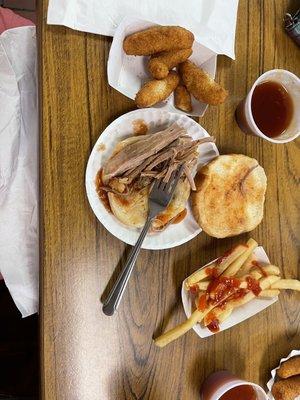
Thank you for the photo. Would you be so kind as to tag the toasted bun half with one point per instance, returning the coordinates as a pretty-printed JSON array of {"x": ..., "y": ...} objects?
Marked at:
[
  {"x": 230, "y": 195},
  {"x": 132, "y": 210}
]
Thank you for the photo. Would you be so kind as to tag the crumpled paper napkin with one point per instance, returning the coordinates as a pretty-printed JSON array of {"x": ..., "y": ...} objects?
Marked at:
[
  {"x": 213, "y": 22},
  {"x": 19, "y": 245}
]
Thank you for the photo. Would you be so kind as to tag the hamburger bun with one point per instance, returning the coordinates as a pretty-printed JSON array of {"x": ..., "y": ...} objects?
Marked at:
[
  {"x": 230, "y": 195},
  {"x": 132, "y": 210}
]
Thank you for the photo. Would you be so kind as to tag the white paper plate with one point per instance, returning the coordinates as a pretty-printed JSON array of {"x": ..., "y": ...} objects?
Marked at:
[
  {"x": 239, "y": 314},
  {"x": 120, "y": 129},
  {"x": 127, "y": 73}
]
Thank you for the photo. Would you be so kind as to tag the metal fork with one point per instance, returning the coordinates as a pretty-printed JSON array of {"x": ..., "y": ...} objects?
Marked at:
[{"x": 159, "y": 198}]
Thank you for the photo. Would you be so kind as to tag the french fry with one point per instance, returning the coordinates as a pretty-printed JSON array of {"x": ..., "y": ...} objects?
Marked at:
[
  {"x": 221, "y": 267},
  {"x": 269, "y": 293},
  {"x": 271, "y": 269},
  {"x": 236, "y": 264},
  {"x": 179, "y": 330},
  {"x": 265, "y": 283},
  {"x": 203, "y": 285},
  {"x": 243, "y": 282},
  {"x": 220, "y": 314},
  {"x": 268, "y": 285},
  {"x": 235, "y": 303},
  {"x": 226, "y": 314},
  {"x": 292, "y": 284},
  {"x": 234, "y": 267},
  {"x": 268, "y": 281},
  {"x": 246, "y": 267},
  {"x": 197, "y": 276},
  {"x": 255, "y": 274}
]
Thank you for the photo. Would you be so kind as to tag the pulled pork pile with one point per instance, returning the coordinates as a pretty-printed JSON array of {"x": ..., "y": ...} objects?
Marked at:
[{"x": 153, "y": 156}]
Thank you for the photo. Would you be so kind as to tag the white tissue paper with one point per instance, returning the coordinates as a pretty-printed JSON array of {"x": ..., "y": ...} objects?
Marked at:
[
  {"x": 213, "y": 22},
  {"x": 19, "y": 255}
]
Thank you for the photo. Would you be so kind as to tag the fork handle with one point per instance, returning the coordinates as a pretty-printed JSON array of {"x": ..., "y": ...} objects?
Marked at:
[{"x": 113, "y": 300}]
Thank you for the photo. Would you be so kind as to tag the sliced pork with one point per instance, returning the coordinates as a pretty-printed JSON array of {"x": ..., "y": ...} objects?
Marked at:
[
  {"x": 155, "y": 156},
  {"x": 134, "y": 154}
]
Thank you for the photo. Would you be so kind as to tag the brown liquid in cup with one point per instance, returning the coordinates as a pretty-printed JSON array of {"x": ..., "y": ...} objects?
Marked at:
[
  {"x": 243, "y": 392},
  {"x": 272, "y": 108}
]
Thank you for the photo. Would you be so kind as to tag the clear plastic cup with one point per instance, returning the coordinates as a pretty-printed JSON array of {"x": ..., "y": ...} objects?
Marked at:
[
  {"x": 244, "y": 115},
  {"x": 219, "y": 383}
]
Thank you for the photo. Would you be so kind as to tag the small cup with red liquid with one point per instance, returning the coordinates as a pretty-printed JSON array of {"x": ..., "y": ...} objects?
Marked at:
[
  {"x": 271, "y": 110},
  {"x": 223, "y": 385}
]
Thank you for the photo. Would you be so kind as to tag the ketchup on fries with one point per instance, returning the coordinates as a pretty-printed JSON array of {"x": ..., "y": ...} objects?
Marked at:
[{"x": 231, "y": 281}]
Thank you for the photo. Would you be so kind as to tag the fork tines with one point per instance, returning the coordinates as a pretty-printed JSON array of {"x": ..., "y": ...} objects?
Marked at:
[{"x": 170, "y": 185}]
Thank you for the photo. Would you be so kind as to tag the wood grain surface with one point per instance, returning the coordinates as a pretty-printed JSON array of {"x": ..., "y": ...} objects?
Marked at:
[{"x": 88, "y": 356}]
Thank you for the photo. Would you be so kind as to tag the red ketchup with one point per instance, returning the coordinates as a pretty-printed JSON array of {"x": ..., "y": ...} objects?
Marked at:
[
  {"x": 253, "y": 285},
  {"x": 220, "y": 289},
  {"x": 213, "y": 325},
  {"x": 212, "y": 272},
  {"x": 256, "y": 265},
  {"x": 202, "y": 303},
  {"x": 194, "y": 289}
]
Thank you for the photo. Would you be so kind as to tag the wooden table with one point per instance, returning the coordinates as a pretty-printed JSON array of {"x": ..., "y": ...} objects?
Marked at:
[{"x": 88, "y": 356}]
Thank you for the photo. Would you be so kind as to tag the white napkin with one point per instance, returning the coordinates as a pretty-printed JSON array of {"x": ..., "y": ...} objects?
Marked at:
[
  {"x": 19, "y": 256},
  {"x": 212, "y": 21}
]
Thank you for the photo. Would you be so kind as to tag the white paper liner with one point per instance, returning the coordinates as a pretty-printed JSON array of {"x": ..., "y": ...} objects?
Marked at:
[
  {"x": 173, "y": 235},
  {"x": 19, "y": 143},
  {"x": 128, "y": 73},
  {"x": 239, "y": 314},
  {"x": 271, "y": 382}
]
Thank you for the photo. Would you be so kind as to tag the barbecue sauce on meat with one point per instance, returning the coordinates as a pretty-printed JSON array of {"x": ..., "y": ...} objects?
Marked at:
[
  {"x": 165, "y": 219},
  {"x": 180, "y": 217},
  {"x": 102, "y": 194}
]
